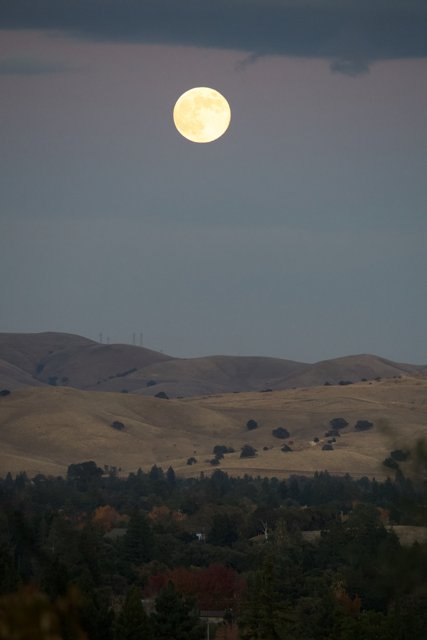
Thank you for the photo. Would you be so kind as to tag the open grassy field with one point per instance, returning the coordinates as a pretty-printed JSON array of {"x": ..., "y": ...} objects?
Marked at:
[{"x": 45, "y": 429}]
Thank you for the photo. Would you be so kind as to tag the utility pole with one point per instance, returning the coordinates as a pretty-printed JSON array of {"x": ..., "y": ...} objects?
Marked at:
[{"x": 100, "y": 337}]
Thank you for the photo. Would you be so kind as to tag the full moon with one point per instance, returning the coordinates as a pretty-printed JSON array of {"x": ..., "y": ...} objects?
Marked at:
[{"x": 201, "y": 114}]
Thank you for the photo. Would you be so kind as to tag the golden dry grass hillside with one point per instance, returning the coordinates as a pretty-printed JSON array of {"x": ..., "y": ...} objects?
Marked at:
[{"x": 45, "y": 429}]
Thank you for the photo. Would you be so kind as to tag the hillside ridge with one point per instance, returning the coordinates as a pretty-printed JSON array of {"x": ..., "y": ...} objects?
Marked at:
[{"x": 63, "y": 359}]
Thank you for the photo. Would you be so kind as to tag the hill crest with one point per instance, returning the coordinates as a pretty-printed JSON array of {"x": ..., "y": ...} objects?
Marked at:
[{"x": 69, "y": 360}]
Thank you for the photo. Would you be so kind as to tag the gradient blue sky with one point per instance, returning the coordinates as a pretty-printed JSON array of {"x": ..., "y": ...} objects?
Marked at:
[{"x": 302, "y": 233}]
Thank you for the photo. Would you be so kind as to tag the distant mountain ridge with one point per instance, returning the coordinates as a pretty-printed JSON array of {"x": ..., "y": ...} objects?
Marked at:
[{"x": 61, "y": 359}]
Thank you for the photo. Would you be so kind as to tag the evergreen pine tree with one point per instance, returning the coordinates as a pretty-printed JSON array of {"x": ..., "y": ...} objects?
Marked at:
[
  {"x": 170, "y": 477},
  {"x": 139, "y": 539},
  {"x": 8, "y": 577},
  {"x": 175, "y": 617},
  {"x": 132, "y": 622},
  {"x": 260, "y": 612},
  {"x": 97, "y": 617}
]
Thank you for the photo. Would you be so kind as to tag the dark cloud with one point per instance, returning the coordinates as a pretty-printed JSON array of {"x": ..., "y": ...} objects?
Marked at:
[
  {"x": 351, "y": 67},
  {"x": 29, "y": 66},
  {"x": 349, "y": 32}
]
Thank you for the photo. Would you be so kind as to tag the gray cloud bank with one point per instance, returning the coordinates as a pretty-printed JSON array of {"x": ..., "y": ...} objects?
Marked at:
[
  {"x": 29, "y": 66},
  {"x": 350, "y": 33}
]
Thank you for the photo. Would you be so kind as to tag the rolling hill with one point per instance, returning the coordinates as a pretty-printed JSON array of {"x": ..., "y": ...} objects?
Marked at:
[
  {"x": 66, "y": 359},
  {"x": 58, "y": 359},
  {"x": 45, "y": 429},
  {"x": 12, "y": 377}
]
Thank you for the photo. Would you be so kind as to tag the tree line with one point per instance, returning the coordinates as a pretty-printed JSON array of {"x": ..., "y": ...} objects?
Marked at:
[{"x": 102, "y": 557}]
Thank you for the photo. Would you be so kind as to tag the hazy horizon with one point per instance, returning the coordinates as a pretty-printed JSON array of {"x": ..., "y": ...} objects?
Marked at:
[{"x": 135, "y": 341}]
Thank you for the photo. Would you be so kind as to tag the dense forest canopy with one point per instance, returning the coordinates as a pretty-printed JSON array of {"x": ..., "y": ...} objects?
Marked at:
[{"x": 309, "y": 558}]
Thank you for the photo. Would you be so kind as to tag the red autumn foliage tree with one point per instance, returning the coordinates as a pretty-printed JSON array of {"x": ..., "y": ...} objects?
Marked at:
[
  {"x": 214, "y": 587},
  {"x": 351, "y": 606},
  {"x": 107, "y": 517},
  {"x": 163, "y": 515}
]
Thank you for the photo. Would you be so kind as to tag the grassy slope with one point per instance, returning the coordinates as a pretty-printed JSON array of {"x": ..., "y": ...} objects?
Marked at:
[
  {"x": 45, "y": 429},
  {"x": 12, "y": 377}
]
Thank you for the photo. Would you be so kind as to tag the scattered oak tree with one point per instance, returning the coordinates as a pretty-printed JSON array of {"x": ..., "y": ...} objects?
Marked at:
[
  {"x": 281, "y": 432},
  {"x": 363, "y": 425},
  {"x": 248, "y": 451},
  {"x": 251, "y": 424},
  {"x": 338, "y": 423}
]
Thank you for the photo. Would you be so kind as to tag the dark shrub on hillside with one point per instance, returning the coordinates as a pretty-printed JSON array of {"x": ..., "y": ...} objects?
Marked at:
[
  {"x": 363, "y": 425},
  {"x": 266, "y": 390},
  {"x": 191, "y": 460},
  {"x": 151, "y": 383},
  {"x": 316, "y": 439},
  {"x": 118, "y": 425},
  {"x": 390, "y": 463},
  {"x": 220, "y": 449},
  {"x": 84, "y": 471},
  {"x": 5, "y": 392},
  {"x": 344, "y": 382},
  {"x": 338, "y": 423},
  {"x": 281, "y": 432},
  {"x": 327, "y": 384},
  {"x": 251, "y": 424},
  {"x": 162, "y": 394},
  {"x": 327, "y": 447},
  {"x": 399, "y": 455},
  {"x": 214, "y": 462},
  {"x": 248, "y": 451},
  {"x": 286, "y": 448},
  {"x": 332, "y": 433},
  {"x": 52, "y": 380},
  {"x": 123, "y": 374}
]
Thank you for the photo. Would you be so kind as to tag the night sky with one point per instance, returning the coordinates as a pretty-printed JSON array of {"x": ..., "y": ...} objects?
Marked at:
[{"x": 301, "y": 233}]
